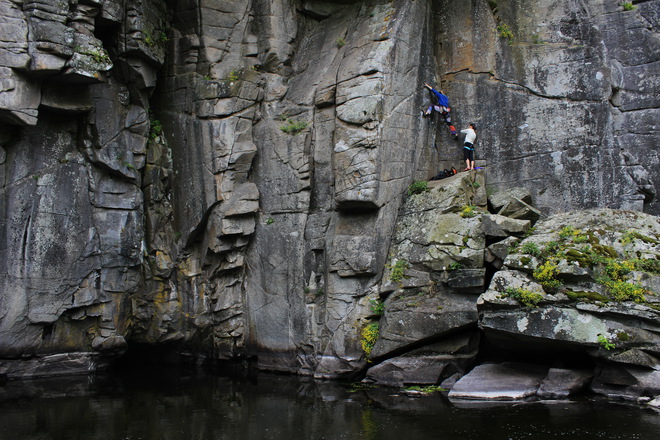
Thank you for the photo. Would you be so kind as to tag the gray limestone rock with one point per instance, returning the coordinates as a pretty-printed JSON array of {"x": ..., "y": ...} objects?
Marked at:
[
  {"x": 580, "y": 308},
  {"x": 501, "y": 199},
  {"x": 561, "y": 383},
  {"x": 428, "y": 365},
  {"x": 518, "y": 209},
  {"x": 496, "y": 225},
  {"x": 626, "y": 382},
  {"x": 499, "y": 382}
]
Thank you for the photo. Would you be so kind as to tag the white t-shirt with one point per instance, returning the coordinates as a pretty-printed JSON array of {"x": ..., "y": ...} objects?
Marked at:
[{"x": 470, "y": 135}]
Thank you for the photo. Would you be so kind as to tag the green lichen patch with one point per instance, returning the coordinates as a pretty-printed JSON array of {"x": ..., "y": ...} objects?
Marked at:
[{"x": 578, "y": 295}]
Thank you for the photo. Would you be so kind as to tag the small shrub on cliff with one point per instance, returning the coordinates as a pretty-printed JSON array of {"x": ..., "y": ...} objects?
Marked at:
[
  {"x": 370, "y": 335},
  {"x": 628, "y": 6},
  {"x": 647, "y": 265},
  {"x": 531, "y": 248},
  {"x": 504, "y": 31},
  {"x": 341, "y": 42},
  {"x": 397, "y": 270},
  {"x": 377, "y": 306},
  {"x": 618, "y": 269},
  {"x": 234, "y": 75},
  {"x": 294, "y": 126},
  {"x": 631, "y": 236},
  {"x": 605, "y": 343},
  {"x": 468, "y": 211},
  {"x": 455, "y": 265},
  {"x": 567, "y": 232},
  {"x": 418, "y": 187},
  {"x": 156, "y": 129}
]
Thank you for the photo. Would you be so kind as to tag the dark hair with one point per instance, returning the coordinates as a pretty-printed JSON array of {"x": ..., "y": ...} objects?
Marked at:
[{"x": 474, "y": 127}]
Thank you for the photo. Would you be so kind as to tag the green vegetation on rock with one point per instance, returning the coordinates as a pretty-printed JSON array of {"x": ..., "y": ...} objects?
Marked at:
[
  {"x": 294, "y": 126},
  {"x": 468, "y": 211},
  {"x": 504, "y": 31},
  {"x": 608, "y": 269},
  {"x": 531, "y": 248},
  {"x": 524, "y": 297},
  {"x": 605, "y": 343},
  {"x": 156, "y": 129},
  {"x": 370, "y": 334},
  {"x": 418, "y": 187},
  {"x": 425, "y": 389},
  {"x": 377, "y": 306},
  {"x": 397, "y": 270},
  {"x": 546, "y": 275}
]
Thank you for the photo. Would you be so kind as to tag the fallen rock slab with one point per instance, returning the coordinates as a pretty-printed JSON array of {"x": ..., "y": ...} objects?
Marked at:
[
  {"x": 509, "y": 381},
  {"x": 561, "y": 383}
]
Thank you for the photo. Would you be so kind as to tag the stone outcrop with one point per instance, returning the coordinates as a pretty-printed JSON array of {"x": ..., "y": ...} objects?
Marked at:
[
  {"x": 228, "y": 179},
  {"x": 427, "y": 329},
  {"x": 584, "y": 284}
]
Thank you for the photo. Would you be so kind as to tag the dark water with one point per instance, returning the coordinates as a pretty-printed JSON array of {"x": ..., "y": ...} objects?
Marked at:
[{"x": 279, "y": 407}]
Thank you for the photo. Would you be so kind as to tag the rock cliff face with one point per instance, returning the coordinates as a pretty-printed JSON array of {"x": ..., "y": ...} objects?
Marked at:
[{"x": 226, "y": 178}]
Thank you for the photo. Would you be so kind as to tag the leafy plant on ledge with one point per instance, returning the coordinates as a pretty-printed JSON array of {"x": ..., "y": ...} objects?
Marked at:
[
  {"x": 377, "y": 306},
  {"x": 455, "y": 265},
  {"x": 234, "y": 75},
  {"x": 294, "y": 126},
  {"x": 628, "y": 6},
  {"x": 605, "y": 343},
  {"x": 468, "y": 211},
  {"x": 156, "y": 129},
  {"x": 397, "y": 270},
  {"x": 418, "y": 187},
  {"x": 546, "y": 275},
  {"x": 504, "y": 31}
]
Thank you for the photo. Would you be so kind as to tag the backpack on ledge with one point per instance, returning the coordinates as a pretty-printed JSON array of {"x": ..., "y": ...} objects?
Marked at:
[{"x": 444, "y": 173}]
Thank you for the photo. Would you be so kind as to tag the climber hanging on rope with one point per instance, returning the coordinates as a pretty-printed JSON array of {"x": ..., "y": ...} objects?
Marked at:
[{"x": 441, "y": 107}]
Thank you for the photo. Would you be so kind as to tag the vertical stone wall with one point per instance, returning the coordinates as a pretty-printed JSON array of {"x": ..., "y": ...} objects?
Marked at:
[
  {"x": 224, "y": 177},
  {"x": 562, "y": 93},
  {"x": 76, "y": 81}
]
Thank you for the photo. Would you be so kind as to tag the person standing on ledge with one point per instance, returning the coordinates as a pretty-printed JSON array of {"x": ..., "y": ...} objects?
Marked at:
[{"x": 468, "y": 147}]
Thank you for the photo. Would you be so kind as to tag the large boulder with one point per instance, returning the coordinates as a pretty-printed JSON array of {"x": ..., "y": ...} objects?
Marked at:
[{"x": 583, "y": 282}]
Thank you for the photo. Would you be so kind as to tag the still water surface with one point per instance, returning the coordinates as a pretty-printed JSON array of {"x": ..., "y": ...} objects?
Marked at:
[{"x": 281, "y": 407}]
